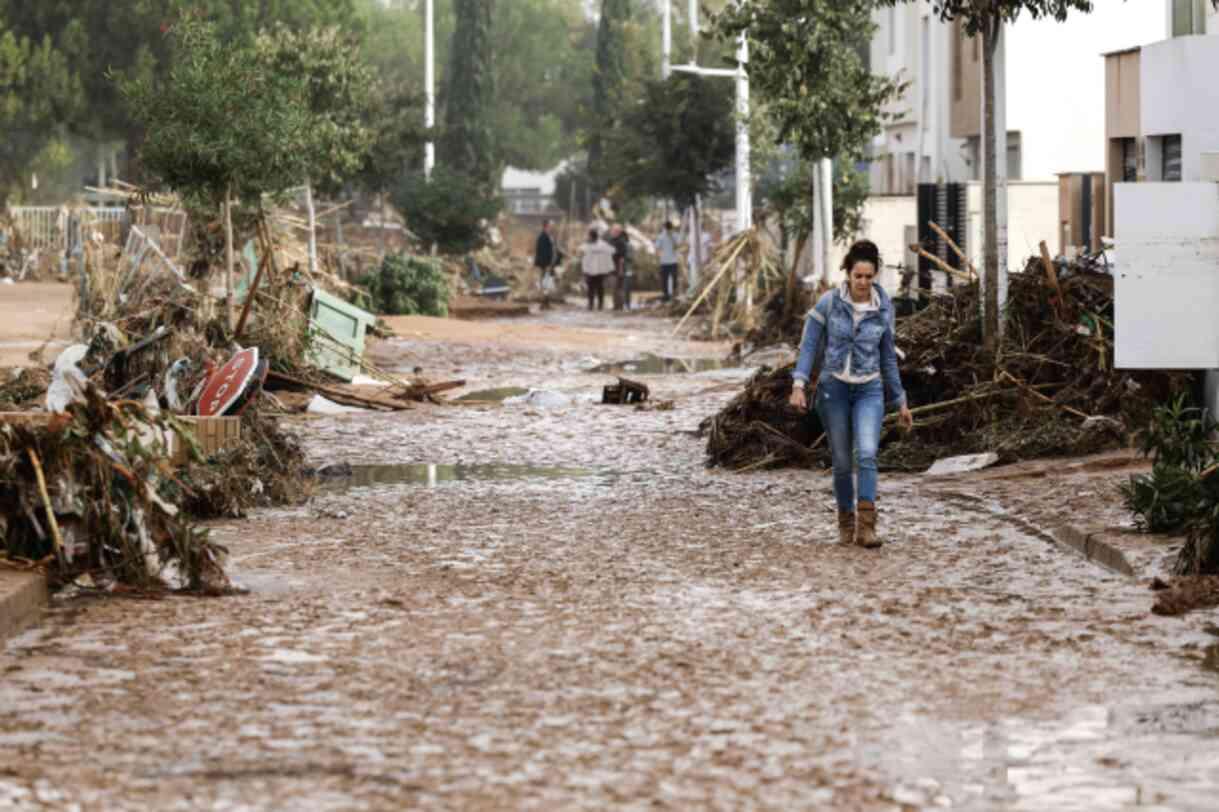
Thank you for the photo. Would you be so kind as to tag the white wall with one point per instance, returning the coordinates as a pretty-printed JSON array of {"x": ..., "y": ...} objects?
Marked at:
[
  {"x": 1032, "y": 216},
  {"x": 1056, "y": 83},
  {"x": 1189, "y": 66},
  {"x": 1166, "y": 289},
  {"x": 885, "y": 220}
]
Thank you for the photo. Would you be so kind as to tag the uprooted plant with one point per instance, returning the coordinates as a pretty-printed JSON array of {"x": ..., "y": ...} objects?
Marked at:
[{"x": 1181, "y": 492}]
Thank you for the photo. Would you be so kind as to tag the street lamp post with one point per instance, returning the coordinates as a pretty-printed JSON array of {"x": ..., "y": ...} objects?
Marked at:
[{"x": 429, "y": 81}]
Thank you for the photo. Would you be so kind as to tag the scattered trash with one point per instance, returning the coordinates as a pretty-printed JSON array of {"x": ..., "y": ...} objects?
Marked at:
[
  {"x": 542, "y": 399},
  {"x": 319, "y": 405},
  {"x": 492, "y": 395},
  {"x": 655, "y": 365},
  {"x": 625, "y": 391},
  {"x": 67, "y": 379},
  {"x": 963, "y": 464}
]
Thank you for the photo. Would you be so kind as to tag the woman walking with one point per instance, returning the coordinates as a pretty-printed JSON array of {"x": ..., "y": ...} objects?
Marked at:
[
  {"x": 854, "y": 323},
  {"x": 597, "y": 263}
]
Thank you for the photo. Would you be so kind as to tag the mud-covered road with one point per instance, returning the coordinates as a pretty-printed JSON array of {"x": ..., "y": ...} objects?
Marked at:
[{"x": 570, "y": 612}]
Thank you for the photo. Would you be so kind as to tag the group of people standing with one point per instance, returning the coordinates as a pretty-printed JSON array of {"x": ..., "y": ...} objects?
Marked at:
[{"x": 606, "y": 256}]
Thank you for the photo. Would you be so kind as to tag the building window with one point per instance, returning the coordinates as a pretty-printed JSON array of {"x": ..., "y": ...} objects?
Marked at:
[
  {"x": 1170, "y": 157},
  {"x": 1014, "y": 155},
  {"x": 1129, "y": 160},
  {"x": 1188, "y": 17}
]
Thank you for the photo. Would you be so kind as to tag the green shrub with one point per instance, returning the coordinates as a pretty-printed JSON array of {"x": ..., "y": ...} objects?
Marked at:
[
  {"x": 406, "y": 285},
  {"x": 1182, "y": 490},
  {"x": 450, "y": 211}
]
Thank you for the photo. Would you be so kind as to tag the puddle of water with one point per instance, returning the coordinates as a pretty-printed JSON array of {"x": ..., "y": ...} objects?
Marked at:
[
  {"x": 494, "y": 395},
  {"x": 429, "y": 474},
  {"x": 655, "y": 365}
]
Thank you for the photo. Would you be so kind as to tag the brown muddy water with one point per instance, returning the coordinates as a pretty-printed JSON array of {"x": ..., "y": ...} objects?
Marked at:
[{"x": 666, "y": 637}]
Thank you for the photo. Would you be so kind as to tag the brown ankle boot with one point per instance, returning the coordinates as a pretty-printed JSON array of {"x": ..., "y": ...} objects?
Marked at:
[
  {"x": 865, "y": 525},
  {"x": 846, "y": 527}
]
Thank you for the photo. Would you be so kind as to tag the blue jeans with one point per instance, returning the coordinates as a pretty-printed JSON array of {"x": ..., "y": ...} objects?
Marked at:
[{"x": 851, "y": 415}]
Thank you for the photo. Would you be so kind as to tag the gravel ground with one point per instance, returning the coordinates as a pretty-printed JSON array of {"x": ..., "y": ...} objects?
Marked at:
[{"x": 633, "y": 631}]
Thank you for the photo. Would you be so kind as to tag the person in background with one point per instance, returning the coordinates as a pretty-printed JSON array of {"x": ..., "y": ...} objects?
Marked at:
[
  {"x": 622, "y": 267},
  {"x": 545, "y": 257},
  {"x": 597, "y": 263},
  {"x": 854, "y": 324},
  {"x": 666, "y": 246}
]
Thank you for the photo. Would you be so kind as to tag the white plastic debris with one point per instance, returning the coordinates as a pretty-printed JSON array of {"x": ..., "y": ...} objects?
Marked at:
[
  {"x": 320, "y": 405},
  {"x": 367, "y": 380},
  {"x": 962, "y": 464},
  {"x": 173, "y": 376},
  {"x": 67, "y": 380},
  {"x": 542, "y": 399}
]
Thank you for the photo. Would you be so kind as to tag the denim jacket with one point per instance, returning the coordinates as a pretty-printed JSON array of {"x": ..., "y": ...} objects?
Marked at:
[{"x": 870, "y": 346}]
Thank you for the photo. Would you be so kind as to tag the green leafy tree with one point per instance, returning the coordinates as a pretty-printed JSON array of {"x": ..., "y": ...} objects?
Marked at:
[
  {"x": 221, "y": 124},
  {"x": 38, "y": 91},
  {"x": 468, "y": 141},
  {"x": 339, "y": 88},
  {"x": 804, "y": 60},
  {"x": 805, "y": 64},
  {"x": 786, "y": 194},
  {"x": 451, "y": 211},
  {"x": 100, "y": 38},
  {"x": 609, "y": 79},
  {"x": 674, "y": 141},
  {"x": 987, "y": 17}
]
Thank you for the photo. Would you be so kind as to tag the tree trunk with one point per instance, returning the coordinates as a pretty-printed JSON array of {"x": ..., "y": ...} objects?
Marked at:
[
  {"x": 228, "y": 256},
  {"x": 990, "y": 222},
  {"x": 312, "y": 212},
  {"x": 338, "y": 238}
]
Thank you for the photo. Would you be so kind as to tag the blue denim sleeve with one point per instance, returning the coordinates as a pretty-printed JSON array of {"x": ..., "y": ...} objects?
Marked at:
[
  {"x": 810, "y": 342},
  {"x": 895, "y": 395}
]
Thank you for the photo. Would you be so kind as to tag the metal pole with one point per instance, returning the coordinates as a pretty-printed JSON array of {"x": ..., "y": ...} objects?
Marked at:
[
  {"x": 429, "y": 80},
  {"x": 1001, "y": 169},
  {"x": 693, "y": 15},
  {"x": 744, "y": 200},
  {"x": 666, "y": 37},
  {"x": 825, "y": 214}
]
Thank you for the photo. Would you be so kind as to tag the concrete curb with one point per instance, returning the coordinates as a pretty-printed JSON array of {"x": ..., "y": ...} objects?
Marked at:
[
  {"x": 1094, "y": 548},
  {"x": 23, "y": 595}
]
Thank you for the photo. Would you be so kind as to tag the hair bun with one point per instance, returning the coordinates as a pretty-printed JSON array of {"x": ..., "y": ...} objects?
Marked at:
[{"x": 861, "y": 251}]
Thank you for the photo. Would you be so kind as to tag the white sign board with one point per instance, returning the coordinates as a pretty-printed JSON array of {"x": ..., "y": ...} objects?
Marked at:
[{"x": 1166, "y": 275}]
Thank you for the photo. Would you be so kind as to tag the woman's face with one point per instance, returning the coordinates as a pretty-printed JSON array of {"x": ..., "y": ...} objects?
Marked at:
[{"x": 860, "y": 279}]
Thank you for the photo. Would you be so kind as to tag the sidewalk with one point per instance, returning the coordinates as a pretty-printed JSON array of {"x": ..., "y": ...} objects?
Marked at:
[
  {"x": 1075, "y": 503},
  {"x": 23, "y": 595}
]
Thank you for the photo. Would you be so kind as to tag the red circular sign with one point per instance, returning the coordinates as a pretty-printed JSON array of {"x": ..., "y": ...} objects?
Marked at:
[{"x": 226, "y": 386}]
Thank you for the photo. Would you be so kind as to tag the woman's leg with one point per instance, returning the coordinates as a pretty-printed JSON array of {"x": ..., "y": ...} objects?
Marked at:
[
  {"x": 867, "y": 413},
  {"x": 834, "y": 407}
]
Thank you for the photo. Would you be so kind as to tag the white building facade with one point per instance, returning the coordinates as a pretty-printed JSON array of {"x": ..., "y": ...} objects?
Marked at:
[{"x": 1055, "y": 99}]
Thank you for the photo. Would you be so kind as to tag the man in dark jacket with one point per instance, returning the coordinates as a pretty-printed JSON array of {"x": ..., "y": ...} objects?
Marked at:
[
  {"x": 546, "y": 257},
  {"x": 622, "y": 267}
]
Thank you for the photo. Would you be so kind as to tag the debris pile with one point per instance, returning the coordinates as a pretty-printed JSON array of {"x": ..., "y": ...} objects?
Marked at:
[
  {"x": 743, "y": 272},
  {"x": 1050, "y": 390},
  {"x": 165, "y": 357},
  {"x": 89, "y": 492}
]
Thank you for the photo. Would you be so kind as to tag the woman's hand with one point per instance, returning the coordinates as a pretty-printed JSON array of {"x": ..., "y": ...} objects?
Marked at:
[
  {"x": 798, "y": 399},
  {"x": 905, "y": 418}
]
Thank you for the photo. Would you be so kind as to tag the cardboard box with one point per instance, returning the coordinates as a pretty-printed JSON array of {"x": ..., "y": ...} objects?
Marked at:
[{"x": 212, "y": 434}]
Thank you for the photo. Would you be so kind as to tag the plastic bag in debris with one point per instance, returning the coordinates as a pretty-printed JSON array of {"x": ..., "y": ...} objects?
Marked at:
[{"x": 67, "y": 380}]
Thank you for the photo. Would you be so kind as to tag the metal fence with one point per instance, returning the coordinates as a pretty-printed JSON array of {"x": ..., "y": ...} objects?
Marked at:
[
  {"x": 58, "y": 228},
  {"x": 40, "y": 227}
]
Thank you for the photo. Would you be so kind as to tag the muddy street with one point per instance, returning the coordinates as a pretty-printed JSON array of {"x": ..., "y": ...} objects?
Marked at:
[{"x": 546, "y": 603}]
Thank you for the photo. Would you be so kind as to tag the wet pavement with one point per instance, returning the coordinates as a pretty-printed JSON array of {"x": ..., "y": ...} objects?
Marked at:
[{"x": 642, "y": 633}]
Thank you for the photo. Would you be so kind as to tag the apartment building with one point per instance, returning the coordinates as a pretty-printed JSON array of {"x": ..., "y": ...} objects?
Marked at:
[
  {"x": 1055, "y": 106},
  {"x": 1162, "y": 101}
]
